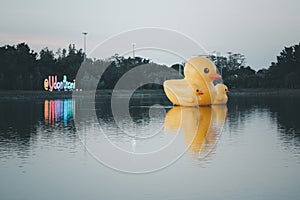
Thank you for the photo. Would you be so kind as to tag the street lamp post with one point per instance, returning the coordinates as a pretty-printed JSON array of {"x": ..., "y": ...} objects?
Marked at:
[
  {"x": 84, "y": 42},
  {"x": 133, "y": 53}
]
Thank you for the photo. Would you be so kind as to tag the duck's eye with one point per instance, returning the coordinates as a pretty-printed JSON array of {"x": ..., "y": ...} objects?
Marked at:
[
  {"x": 206, "y": 70},
  {"x": 197, "y": 90}
]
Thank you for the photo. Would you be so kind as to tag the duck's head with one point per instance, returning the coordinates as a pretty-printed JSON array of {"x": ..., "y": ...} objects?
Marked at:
[
  {"x": 223, "y": 89},
  {"x": 201, "y": 66}
]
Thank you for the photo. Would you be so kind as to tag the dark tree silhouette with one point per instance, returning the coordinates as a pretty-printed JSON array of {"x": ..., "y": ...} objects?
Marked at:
[{"x": 24, "y": 69}]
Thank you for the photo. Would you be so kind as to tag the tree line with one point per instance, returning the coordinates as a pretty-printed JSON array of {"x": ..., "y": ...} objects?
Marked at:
[
  {"x": 283, "y": 73},
  {"x": 24, "y": 69}
]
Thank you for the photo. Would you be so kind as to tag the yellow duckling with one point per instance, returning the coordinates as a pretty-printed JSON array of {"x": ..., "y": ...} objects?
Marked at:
[
  {"x": 199, "y": 74},
  {"x": 222, "y": 91}
]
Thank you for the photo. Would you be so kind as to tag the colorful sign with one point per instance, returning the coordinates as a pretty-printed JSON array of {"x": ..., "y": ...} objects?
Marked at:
[{"x": 51, "y": 84}]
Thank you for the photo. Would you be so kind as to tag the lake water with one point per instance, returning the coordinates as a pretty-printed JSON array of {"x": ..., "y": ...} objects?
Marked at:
[{"x": 78, "y": 149}]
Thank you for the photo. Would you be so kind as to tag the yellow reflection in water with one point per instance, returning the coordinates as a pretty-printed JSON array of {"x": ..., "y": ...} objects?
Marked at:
[{"x": 201, "y": 126}]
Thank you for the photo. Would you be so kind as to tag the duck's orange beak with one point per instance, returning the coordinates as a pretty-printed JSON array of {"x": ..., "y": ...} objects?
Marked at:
[{"x": 214, "y": 76}]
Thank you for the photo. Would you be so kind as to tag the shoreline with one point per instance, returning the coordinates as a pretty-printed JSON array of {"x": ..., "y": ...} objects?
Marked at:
[
  {"x": 264, "y": 92},
  {"x": 32, "y": 94}
]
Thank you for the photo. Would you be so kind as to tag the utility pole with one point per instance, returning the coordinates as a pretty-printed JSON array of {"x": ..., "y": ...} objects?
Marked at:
[
  {"x": 133, "y": 53},
  {"x": 84, "y": 42}
]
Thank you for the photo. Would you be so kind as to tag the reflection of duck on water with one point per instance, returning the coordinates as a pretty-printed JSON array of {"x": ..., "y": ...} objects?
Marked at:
[
  {"x": 199, "y": 75},
  {"x": 220, "y": 114},
  {"x": 201, "y": 126}
]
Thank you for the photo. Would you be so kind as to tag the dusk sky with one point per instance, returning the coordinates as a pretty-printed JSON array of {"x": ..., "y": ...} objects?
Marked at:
[{"x": 259, "y": 29}]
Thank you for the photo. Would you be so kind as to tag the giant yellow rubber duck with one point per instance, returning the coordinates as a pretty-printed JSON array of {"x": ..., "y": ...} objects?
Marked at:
[
  {"x": 221, "y": 97},
  {"x": 197, "y": 87}
]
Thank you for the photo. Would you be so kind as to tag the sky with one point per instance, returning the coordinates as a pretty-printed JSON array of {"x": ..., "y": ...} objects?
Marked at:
[{"x": 259, "y": 29}]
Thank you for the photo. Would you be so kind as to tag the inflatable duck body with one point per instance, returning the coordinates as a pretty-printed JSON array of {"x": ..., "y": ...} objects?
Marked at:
[
  {"x": 197, "y": 87},
  {"x": 181, "y": 92},
  {"x": 221, "y": 97}
]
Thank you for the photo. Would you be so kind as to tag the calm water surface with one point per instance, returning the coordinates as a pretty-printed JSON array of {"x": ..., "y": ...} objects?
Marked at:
[{"x": 247, "y": 150}]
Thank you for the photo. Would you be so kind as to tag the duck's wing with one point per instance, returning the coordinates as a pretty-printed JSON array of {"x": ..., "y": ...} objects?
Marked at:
[{"x": 181, "y": 89}]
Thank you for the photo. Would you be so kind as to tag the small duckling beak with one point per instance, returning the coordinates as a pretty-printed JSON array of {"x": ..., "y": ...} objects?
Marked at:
[
  {"x": 214, "y": 76},
  {"x": 200, "y": 93},
  {"x": 227, "y": 91}
]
